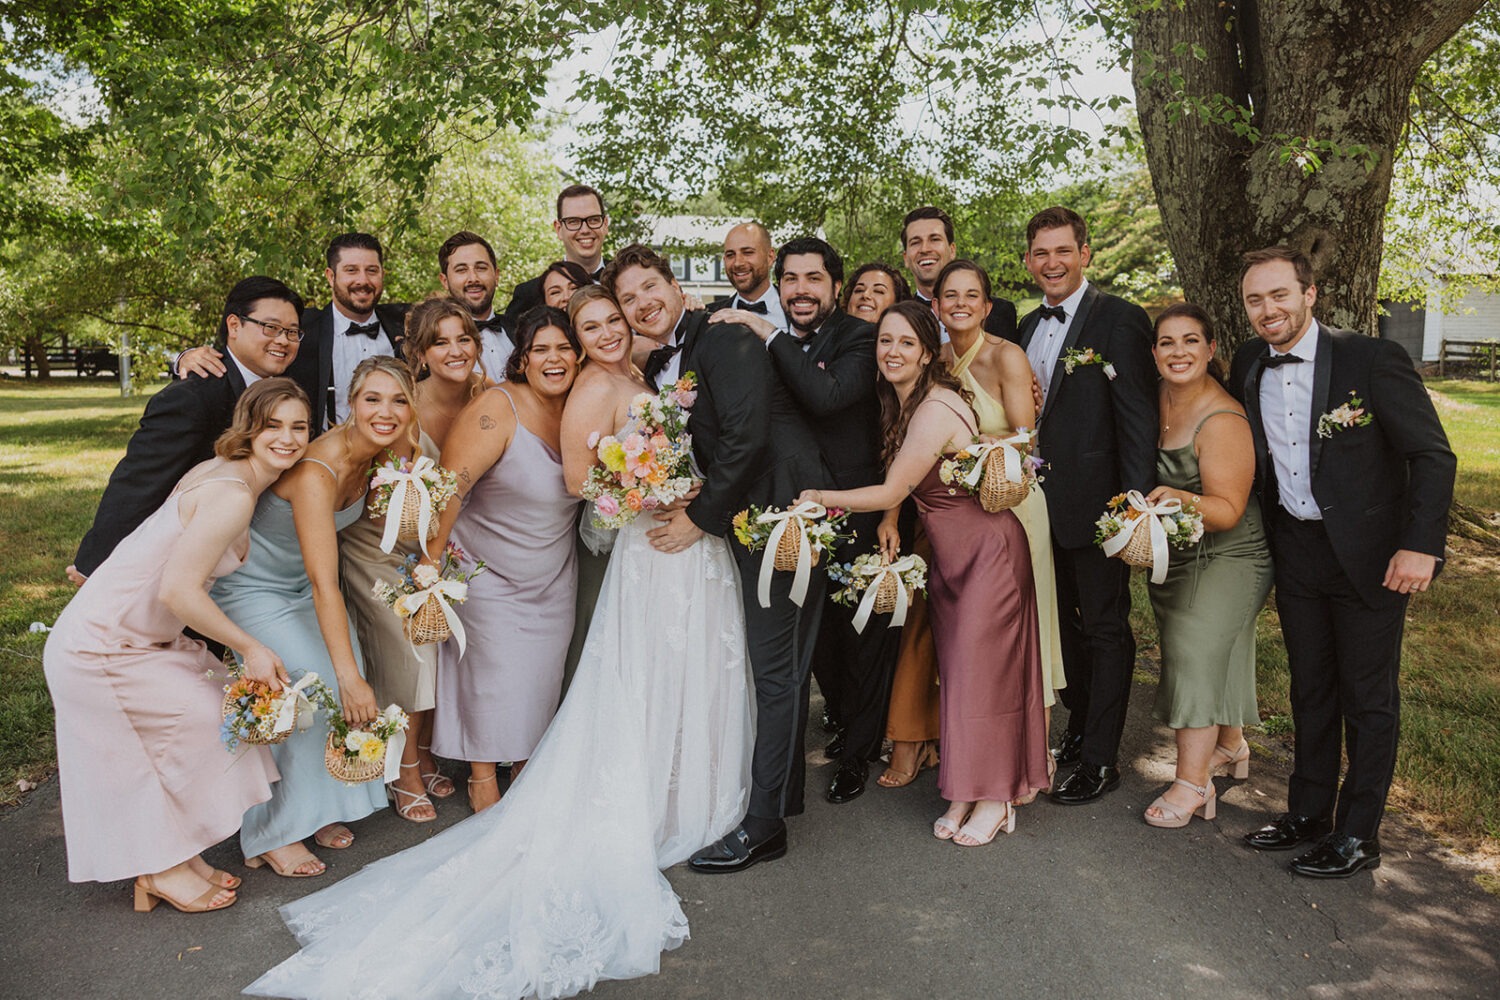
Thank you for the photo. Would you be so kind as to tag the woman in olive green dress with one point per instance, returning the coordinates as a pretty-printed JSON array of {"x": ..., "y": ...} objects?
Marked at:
[{"x": 1206, "y": 608}]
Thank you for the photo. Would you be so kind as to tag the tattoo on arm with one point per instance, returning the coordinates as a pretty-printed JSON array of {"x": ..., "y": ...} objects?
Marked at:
[
  {"x": 486, "y": 422},
  {"x": 463, "y": 475}
]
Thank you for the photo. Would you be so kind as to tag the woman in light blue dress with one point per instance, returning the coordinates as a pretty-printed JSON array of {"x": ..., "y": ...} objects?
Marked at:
[{"x": 287, "y": 596}]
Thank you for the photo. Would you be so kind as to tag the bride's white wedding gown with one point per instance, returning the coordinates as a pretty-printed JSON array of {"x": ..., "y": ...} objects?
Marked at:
[{"x": 559, "y": 886}]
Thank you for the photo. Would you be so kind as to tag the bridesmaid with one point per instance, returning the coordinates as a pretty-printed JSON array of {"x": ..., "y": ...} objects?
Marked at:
[
  {"x": 1206, "y": 608},
  {"x": 287, "y": 595},
  {"x": 443, "y": 347},
  {"x": 981, "y": 595},
  {"x": 495, "y": 700},
  {"x": 998, "y": 374},
  {"x": 146, "y": 784},
  {"x": 561, "y": 279},
  {"x": 872, "y": 289}
]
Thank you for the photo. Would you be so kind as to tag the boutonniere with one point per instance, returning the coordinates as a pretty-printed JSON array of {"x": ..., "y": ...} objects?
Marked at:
[
  {"x": 1344, "y": 416},
  {"x": 1073, "y": 358},
  {"x": 822, "y": 365}
]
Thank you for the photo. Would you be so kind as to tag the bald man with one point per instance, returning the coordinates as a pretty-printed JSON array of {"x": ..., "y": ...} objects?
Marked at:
[{"x": 748, "y": 256}]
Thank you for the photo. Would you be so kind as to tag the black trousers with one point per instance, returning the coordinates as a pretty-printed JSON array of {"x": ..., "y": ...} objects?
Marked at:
[
  {"x": 1093, "y": 607},
  {"x": 1344, "y": 657},
  {"x": 781, "y": 640}
]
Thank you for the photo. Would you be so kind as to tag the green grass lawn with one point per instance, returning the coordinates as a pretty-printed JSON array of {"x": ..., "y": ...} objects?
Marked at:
[{"x": 59, "y": 442}]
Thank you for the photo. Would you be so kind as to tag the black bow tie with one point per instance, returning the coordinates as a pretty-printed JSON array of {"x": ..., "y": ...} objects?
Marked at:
[
  {"x": 658, "y": 360},
  {"x": 492, "y": 325},
  {"x": 754, "y": 307},
  {"x": 1052, "y": 312},
  {"x": 370, "y": 329},
  {"x": 1273, "y": 360}
]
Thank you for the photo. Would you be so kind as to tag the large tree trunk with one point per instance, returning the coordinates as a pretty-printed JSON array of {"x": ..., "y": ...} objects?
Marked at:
[
  {"x": 35, "y": 348},
  {"x": 1335, "y": 70}
]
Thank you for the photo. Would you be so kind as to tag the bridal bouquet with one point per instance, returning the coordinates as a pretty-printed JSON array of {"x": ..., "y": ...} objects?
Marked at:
[
  {"x": 793, "y": 539},
  {"x": 874, "y": 585},
  {"x": 651, "y": 464},
  {"x": 420, "y": 490},
  {"x": 355, "y": 755},
  {"x": 424, "y": 595},
  {"x": 255, "y": 714},
  {"x": 1167, "y": 523},
  {"x": 1001, "y": 473}
]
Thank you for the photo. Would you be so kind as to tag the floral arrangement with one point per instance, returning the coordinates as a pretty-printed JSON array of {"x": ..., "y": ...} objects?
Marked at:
[
  {"x": 1183, "y": 528},
  {"x": 1000, "y": 473},
  {"x": 1168, "y": 524},
  {"x": 420, "y": 490},
  {"x": 255, "y": 714},
  {"x": 1073, "y": 358},
  {"x": 422, "y": 594},
  {"x": 754, "y": 526},
  {"x": 651, "y": 465},
  {"x": 874, "y": 584},
  {"x": 355, "y": 755},
  {"x": 1344, "y": 416}
]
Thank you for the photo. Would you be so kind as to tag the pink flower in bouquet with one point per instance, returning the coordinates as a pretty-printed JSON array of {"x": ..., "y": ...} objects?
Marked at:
[
  {"x": 608, "y": 506},
  {"x": 650, "y": 503},
  {"x": 634, "y": 445},
  {"x": 659, "y": 441},
  {"x": 685, "y": 398},
  {"x": 835, "y": 512},
  {"x": 425, "y": 575}
]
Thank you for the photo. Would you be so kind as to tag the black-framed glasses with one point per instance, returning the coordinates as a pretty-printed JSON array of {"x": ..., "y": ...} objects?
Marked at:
[
  {"x": 573, "y": 223},
  {"x": 273, "y": 330}
]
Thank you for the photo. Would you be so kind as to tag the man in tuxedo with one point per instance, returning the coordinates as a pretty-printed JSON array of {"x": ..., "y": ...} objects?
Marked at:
[
  {"x": 750, "y": 439},
  {"x": 466, "y": 267},
  {"x": 1097, "y": 431},
  {"x": 927, "y": 247},
  {"x": 1356, "y": 475},
  {"x": 826, "y": 359},
  {"x": 582, "y": 226},
  {"x": 747, "y": 261},
  {"x": 259, "y": 333}
]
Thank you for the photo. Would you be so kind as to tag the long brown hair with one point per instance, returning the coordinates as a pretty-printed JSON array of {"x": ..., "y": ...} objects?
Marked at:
[
  {"x": 1196, "y": 313},
  {"x": 894, "y": 418}
]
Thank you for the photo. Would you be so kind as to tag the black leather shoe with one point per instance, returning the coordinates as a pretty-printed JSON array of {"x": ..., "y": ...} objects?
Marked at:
[
  {"x": 1338, "y": 855},
  {"x": 735, "y": 853},
  {"x": 1086, "y": 784},
  {"x": 829, "y": 723},
  {"x": 1287, "y": 831},
  {"x": 1069, "y": 751},
  {"x": 848, "y": 782},
  {"x": 835, "y": 748}
]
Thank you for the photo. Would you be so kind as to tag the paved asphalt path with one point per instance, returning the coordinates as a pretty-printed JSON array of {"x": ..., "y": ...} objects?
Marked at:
[{"x": 1080, "y": 902}]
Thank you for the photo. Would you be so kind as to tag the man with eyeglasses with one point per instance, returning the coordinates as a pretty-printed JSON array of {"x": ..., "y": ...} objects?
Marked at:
[
  {"x": 582, "y": 225},
  {"x": 259, "y": 333}
]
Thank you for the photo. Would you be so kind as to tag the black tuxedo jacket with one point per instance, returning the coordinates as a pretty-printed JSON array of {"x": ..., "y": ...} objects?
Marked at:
[
  {"x": 723, "y": 301},
  {"x": 177, "y": 431},
  {"x": 749, "y": 438},
  {"x": 1381, "y": 487},
  {"x": 1098, "y": 435},
  {"x": 1001, "y": 322},
  {"x": 528, "y": 295},
  {"x": 313, "y": 368},
  {"x": 833, "y": 384}
]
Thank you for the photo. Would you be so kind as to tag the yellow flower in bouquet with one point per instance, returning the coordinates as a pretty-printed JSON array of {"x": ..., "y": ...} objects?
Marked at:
[
  {"x": 372, "y": 750},
  {"x": 612, "y": 454},
  {"x": 741, "y": 525}
]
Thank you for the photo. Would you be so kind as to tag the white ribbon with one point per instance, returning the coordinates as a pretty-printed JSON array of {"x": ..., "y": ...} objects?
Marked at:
[
  {"x": 394, "y": 748},
  {"x": 1012, "y": 456},
  {"x": 783, "y": 519},
  {"x": 443, "y": 589},
  {"x": 398, "y": 503},
  {"x": 867, "y": 603},
  {"x": 291, "y": 699},
  {"x": 1151, "y": 514}
]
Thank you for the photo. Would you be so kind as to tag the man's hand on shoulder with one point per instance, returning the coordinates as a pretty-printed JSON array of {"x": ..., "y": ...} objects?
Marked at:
[
  {"x": 758, "y": 324},
  {"x": 205, "y": 362},
  {"x": 1409, "y": 572}
]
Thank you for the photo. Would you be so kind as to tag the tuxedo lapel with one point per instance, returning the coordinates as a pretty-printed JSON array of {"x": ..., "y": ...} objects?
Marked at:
[
  {"x": 1251, "y": 389},
  {"x": 1075, "y": 330},
  {"x": 324, "y": 402},
  {"x": 1028, "y": 327},
  {"x": 692, "y": 326},
  {"x": 1321, "y": 404}
]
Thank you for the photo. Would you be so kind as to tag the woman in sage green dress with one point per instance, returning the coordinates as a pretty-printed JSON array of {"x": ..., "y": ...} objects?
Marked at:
[{"x": 1207, "y": 606}]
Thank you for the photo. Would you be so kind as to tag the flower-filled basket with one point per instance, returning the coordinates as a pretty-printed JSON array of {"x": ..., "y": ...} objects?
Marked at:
[
  {"x": 1000, "y": 473},
  {"x": 873, "y": 584},
  {"x": 356, "y": 755},
  {"x": 794, "y": 540},
  {"x": 255, "y": 714},
  {"x": 424, "y": 595},
  {"x": 1167, "y": 523},
  {"x": 420, "y": 490}
]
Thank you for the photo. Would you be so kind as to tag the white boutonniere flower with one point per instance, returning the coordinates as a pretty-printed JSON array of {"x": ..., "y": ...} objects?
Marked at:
[
  {"x": 1344, "y": 416},
  {"x": 1074, "y": 358}
]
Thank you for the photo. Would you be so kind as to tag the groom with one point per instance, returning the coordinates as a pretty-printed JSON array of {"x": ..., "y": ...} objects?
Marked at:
[{"x": 754, "y": 448}]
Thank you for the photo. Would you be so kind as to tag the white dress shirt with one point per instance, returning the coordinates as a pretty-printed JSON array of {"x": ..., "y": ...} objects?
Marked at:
[
  {"x": 774, "y": 313},
  {"x": 1286, "y": 414},
  {"x": 494, "y": 351},
  {"x": 250, "y": 377},
  {"x": 348, "y": 352},
  {"x": 1047, "y": 340},
  {"x": 673, "y": 371}
]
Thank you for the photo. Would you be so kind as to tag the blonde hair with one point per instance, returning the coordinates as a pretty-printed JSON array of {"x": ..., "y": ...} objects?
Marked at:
[
  {"x": 422, "y": 328},
  {"x": 396, "y": 369},
  {"x": 252, "y": 414}
]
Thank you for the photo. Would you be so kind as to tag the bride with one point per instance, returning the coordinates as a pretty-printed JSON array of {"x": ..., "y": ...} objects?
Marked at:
[{"x": 648, "y": 759}]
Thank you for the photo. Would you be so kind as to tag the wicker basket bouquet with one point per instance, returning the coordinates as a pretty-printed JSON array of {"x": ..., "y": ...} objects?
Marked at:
[
  {"x": 419, "y": 490},
  {"x": 648, "y": 464},
  {"x": 873, "y": 584},
  {"x": 1000, "y": 473},
  {"x": 424, "y": 596},
  {"x": 255, "y": 714},
  {"x": 1140, "y": 532},
  {"x": 794, "y": 541},
  {"x": 356, "y": 755}
]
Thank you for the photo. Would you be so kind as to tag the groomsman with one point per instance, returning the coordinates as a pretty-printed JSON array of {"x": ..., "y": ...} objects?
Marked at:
[
  {"x": 260, "y": 333},
  {"x": 826, "y": 359},
  {"x": 747, "y": 262},
  {"x": 466, "y": 267},
  {"x": 582, "y": 226},
  {"x": 754, "y": 448},
  {"x": 1097, "y": 432},
  {"x": 1356, "y": 475},
  {"x": 927, "y": 246}
]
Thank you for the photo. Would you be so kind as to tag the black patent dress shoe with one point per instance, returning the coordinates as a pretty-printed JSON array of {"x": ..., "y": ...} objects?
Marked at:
[
  {"x": 1338, "y": 855},
  {"x": 1069, "y": 751},
  {"x": 835, "y": 748},
  {"x": 1086, "y": 784},
  {"x": 734, "y": 852},
  {"x": 848, "y": 782},
  {"x": 829, "y": 723},
  {"x": 1287, "y": 831}
]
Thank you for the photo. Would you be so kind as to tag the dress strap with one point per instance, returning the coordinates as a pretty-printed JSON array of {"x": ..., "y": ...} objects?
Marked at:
[
  {"x": 962, "y": 364},
  {"x": 1215, "y": 413},
  {"x": 501, "y": 389},
  {"x": 213, "y": 479},
  {"x": 962, "y": 416},
  {"x": 324, "y": 464}
]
